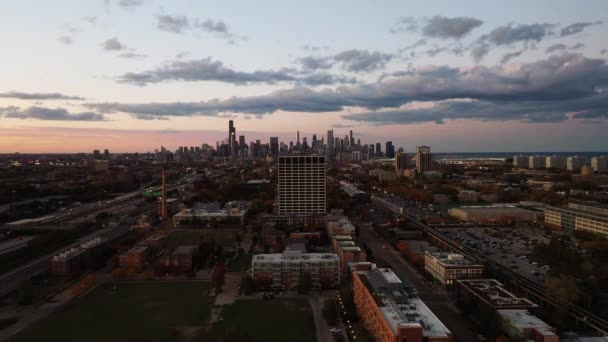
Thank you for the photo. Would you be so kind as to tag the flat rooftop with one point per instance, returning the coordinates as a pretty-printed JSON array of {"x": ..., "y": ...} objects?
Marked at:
[
  {"x": 494, "y": 294},
  {"x": 452, "y": 259},
  {"x": 398, "y": 306},
  {"x": 522, "y": 319},
  {"x": 294, "y": 256}
]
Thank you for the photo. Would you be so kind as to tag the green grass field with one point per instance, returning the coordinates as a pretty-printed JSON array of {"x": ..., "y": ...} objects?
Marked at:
[
  {"x": 179, "y": 237},
  {"x": 133, "y": 312},
  {"x": 268, "y": 321}
]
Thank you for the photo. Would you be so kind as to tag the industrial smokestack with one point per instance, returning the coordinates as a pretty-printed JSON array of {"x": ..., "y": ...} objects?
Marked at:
[{"x": 164, "y": 212}]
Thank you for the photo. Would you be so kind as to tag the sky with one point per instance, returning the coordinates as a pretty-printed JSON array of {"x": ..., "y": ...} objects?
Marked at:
[{"x": 132, "y": 75}]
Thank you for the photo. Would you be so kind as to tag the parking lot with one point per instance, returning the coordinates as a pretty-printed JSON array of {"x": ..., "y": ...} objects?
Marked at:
[{"x": 510, "y": 246}]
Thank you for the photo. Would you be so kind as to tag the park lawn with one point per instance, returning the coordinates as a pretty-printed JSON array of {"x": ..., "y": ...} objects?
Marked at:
[
  {"x": 268, "y": 321},
  {"x": 178, "y": 237},
  {"x": 138, "y": 311},
  {"x": 241, "y": 264}
]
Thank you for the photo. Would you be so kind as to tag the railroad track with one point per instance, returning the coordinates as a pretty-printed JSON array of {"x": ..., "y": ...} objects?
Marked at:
[{"x": 11, "y": 280}]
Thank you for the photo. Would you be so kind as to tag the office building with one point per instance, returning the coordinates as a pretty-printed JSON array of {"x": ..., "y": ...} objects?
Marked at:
[
  {"x": 449, "y": 267},
  {"x": 391, "y": 311},
  {"x": 555, "y": 162},
  {"x": 352, "y": 140},
  {"x": 232, "y": 145},
  {"x": 302, "y": 188},
  {"x": 390, "y": 150},
  {"x": 424, "y": 159},
  {"x": 402, "y": 161},
  {"x": 96, "y": 154},
  {"x": 599, "y": 164},
  {"x": 575, "y": 163},
  {"x": 286, "y": 270},
  {"x": 521, "y": 161},
  {"x": 536, "y": 162},
  {"x": 378, "y": 150},
  {"x": 578, "y": 217},
  {"x": 274, "y": 146}
]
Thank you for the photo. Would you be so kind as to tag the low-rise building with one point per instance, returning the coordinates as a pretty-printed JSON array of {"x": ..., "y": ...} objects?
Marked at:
[
  {"x": 135, "y": 258},
  {"x": 383, "y": 175},
  {"x": 496, "y": 213},
  {"x": 449, "y": 267},
  {"x": 576, "y": 216},
  {"x": 206, "y": 212},
  {"x": 181, "y": 260},
  {"x": 393, "y": 313},
  {"x": 468, "y": 196},
  {"x": 343, "y": 226},
  {"x": 347, "y": 251},
  {"x": 285, "y": 270},
  {"x": 536, "y": 162}
]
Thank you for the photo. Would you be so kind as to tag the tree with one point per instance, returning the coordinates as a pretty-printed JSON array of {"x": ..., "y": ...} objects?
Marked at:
[
  {"x": 278, "y": 246},
  {"x": 219, "y": 275},
  {"x": 330, "y": 312}
]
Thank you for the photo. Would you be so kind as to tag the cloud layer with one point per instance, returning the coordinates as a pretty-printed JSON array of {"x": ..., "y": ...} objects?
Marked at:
[
  {"x": 208, "y": 69},
  {"x": 540, "y": 91},
  {"x": 52, "y": 114},
  {"x": 38, "y": 96}
]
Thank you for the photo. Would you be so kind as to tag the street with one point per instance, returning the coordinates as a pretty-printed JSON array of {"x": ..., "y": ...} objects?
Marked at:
[{"x": 435, "y": 300}]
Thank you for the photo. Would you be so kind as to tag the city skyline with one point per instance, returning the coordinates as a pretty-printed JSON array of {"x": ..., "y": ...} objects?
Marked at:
[{"x": 129, "y": 74}]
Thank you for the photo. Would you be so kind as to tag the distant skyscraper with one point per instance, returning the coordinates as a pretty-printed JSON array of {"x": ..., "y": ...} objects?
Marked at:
[
  {"x": 274, "y": 146},
  {"x": 96, "y": 154},
  {"x": 424, "y": 159},
  {"x": 314, "y": 141},
  {"x": 298, "y": 139},
  {"x": 371, "y": 151},
  {"x": 302, "y": 189},
  {"x": 232, "y": 137},
  {"x": 330, "y": 138},
  {"x": 390, "y": 150},
  {"x": 378, "y": 149},
  {"x": 106, "y": 154},
  {"x": 352, "y": 140}
]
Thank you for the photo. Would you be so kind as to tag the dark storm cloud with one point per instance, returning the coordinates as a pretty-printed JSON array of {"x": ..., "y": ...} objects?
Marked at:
[
  {"x": 444, "y": 27},
  {"x": 38, "y": 96},
  {"x": 208, "y": 69},
  {"x": 50, "y": 114},
  {"x": 577, "y": 28},
  {"x": 540, "y": 91}
]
